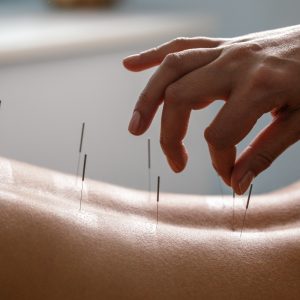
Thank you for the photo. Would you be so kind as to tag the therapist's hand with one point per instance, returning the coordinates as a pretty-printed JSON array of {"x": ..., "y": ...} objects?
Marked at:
[{"x": 254, "y": 74}]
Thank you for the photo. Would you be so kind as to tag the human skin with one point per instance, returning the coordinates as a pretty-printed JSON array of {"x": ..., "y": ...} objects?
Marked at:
[
  {"x": 254, "y": 74},
  {"x": 112, "y": 248},
  {"x": 71, "y": 3}
]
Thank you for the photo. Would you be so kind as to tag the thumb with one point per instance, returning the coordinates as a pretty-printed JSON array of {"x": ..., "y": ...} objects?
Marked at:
[{"x": 266, "y": 147}]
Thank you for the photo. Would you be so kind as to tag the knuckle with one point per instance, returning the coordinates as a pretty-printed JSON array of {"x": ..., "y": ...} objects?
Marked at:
[
  {"x": 252, "y": 47},
  {"x": 179, "y": 42},
  {"x": 262, "y": 78},
  {"x": 168, "y": 144},
  {"x": 272, "y": 60},
  {"x": 153, "y": 51},
  {"x": 172, "y": 61},
  {"x": 262, "y": 160},
  {"x": 215, "y": 138},
  {"x": 233, "y": 54},
  {"x": 173, "y": 94},
  {"x": 149, "y": 53},
  {"x": 210, "y": 136},
  {"x": 290, "y": 117},
  {"x": 244, "y": 50}
]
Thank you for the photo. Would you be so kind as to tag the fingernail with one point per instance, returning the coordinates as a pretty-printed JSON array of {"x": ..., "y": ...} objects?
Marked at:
[
  {"x": 175, "y": 166},
  {"x": 135, "y": 122},
  {"x": 246, "y": 181}
]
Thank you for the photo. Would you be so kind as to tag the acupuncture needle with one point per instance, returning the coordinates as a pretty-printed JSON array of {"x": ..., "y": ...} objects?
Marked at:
[
  {"x": 221, "y": 188},
  {"x": 149, "y": 167},
  {"x": 80, "y": 149},
  {"x": 248, "y": 200},
  {"x": 233, "y": 208},
  {"x": 157, "y": 198},
  {"x": 83, "y": 177}
]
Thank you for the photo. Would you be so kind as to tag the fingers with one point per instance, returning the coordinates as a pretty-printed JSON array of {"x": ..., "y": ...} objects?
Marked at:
[
  {"x": 174, "y": 126},
  {"x": 267, "y": 146},
  {"x": 193, "y": 91},
  {"x": 174, "y": 67},
  {"x": 155, "y": 56},
  {"x": 233, "y": 122},
  {"x": 223, "y": 161}
]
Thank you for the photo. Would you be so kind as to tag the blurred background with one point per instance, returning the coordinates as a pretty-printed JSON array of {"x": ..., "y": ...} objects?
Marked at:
[{"x": 60, "y": 65}]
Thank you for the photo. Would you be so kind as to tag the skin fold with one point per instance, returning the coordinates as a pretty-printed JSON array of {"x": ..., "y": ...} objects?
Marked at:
[
  {"x": 254, "y": 74},
  {"x": 113, "y": 249}
]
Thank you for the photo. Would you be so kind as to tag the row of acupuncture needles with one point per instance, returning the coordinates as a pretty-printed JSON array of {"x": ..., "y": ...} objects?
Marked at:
[
  {"x": 233, "y": 204},
  {"x": 79, "y": 160},
  {"x": 158, "y": 193},
  {"x": 149, "y": 181},
  {"x": 85, "y": 164}
]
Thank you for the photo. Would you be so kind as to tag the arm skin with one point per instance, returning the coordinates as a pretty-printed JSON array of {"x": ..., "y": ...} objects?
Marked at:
[
  {"x": 254, "y": 74},
  {"x": 113, "y": 250}
]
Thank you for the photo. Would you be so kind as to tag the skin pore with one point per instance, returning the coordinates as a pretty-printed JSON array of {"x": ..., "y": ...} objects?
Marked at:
[{"x": 112, "y": 249}]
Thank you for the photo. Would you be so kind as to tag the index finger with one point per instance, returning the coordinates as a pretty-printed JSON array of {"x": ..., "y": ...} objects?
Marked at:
[
  {"x": 174, "y": 67},
  {"x": 154, "y": 56}
]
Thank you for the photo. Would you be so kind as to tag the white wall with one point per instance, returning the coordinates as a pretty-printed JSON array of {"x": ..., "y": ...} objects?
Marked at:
[
  {"x": 236, "y": 17},
  {"x": 45, "y": 102}
]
